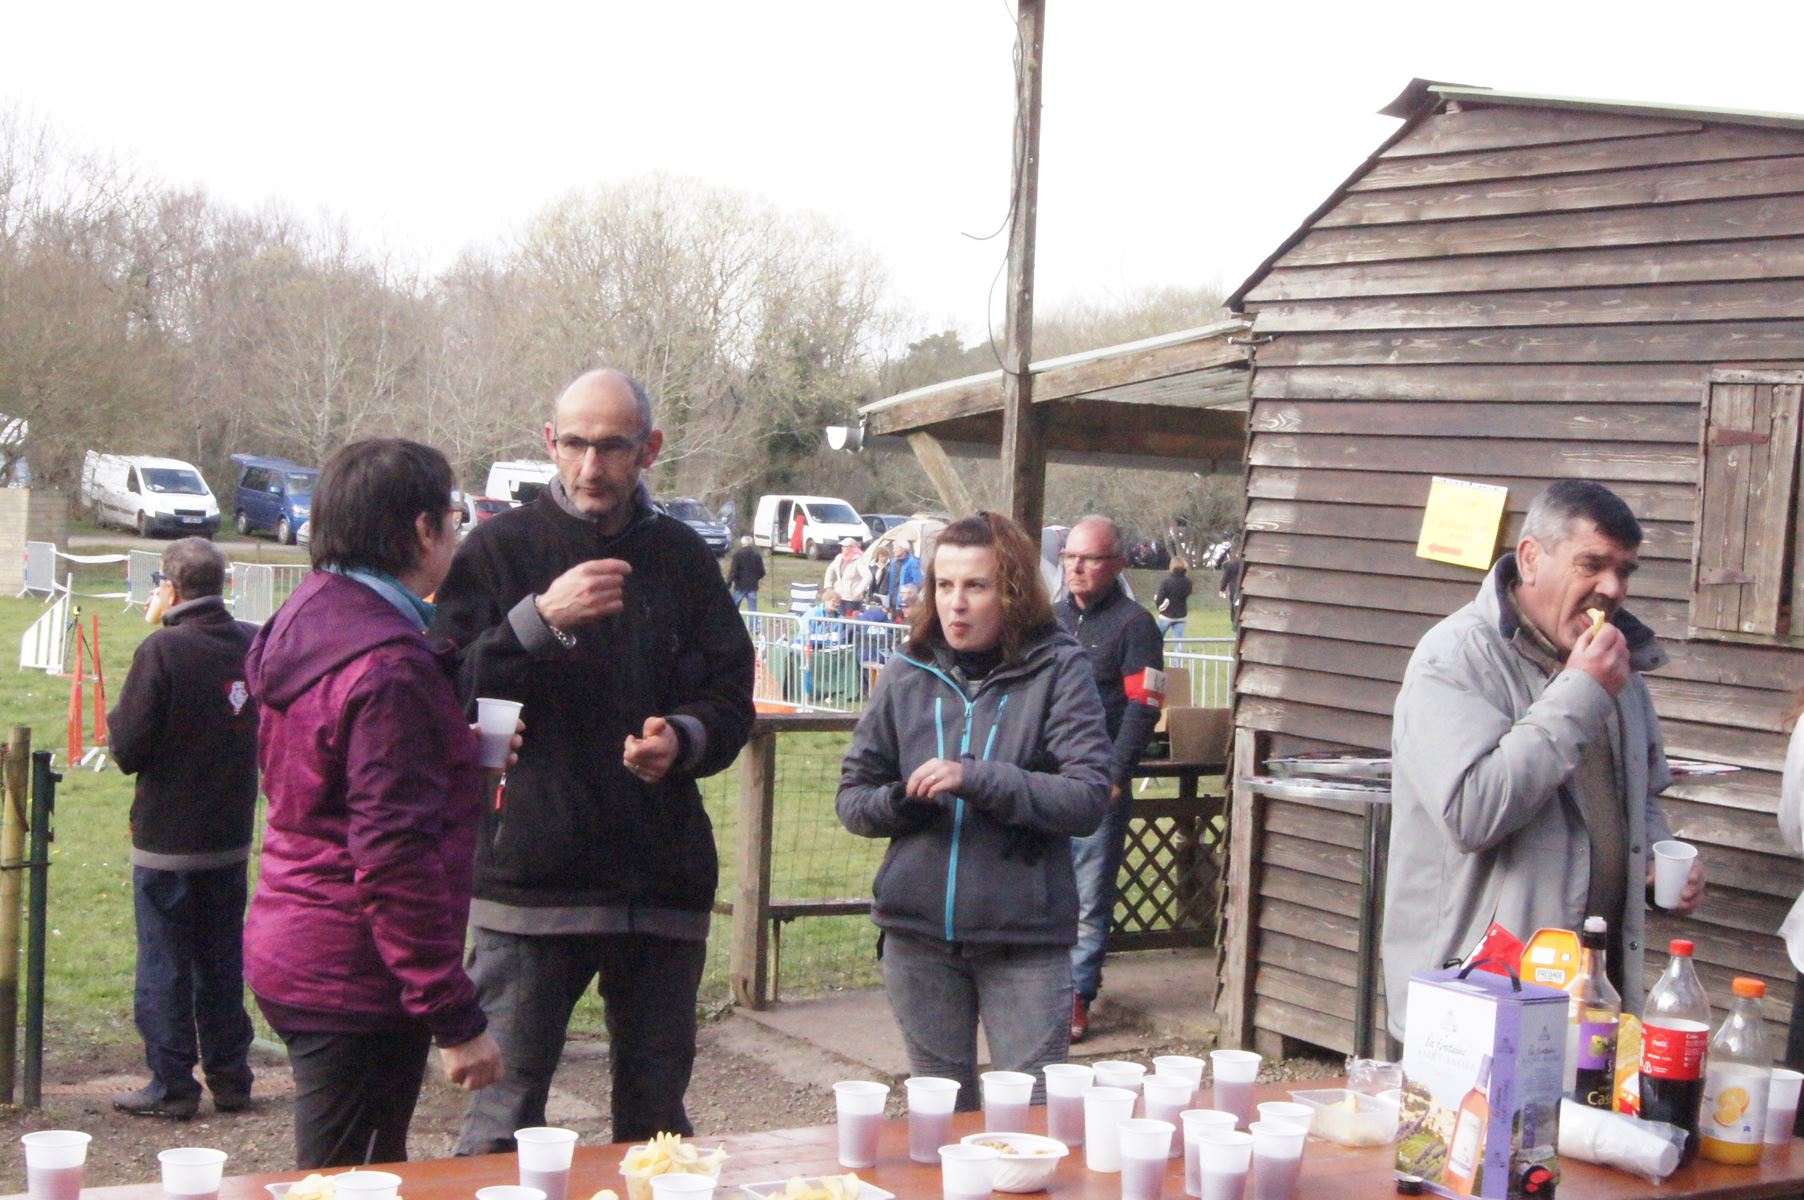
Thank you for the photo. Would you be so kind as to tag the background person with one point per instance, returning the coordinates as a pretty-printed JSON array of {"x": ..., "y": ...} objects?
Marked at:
[
  {"x": 1127, "y": 660},
  {"x": 355, "y": 939},
  {"x": 904, "y": 573},
  {"x": 847, "y": 577},
  {"x": 1171, "y": 603},
  {"x": 611, "y": 623},
  {"x": 981, "y": 756},
  {"x": 744, "y": 572},
  {"x": 187, "y": 728}
]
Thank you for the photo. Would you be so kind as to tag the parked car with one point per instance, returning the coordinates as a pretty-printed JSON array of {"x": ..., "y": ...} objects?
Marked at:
[
  {"x": 519, "y": 481},
  {"x": 825, "y": 520},
  {"x": 149, "y": 495},
  {"x": 695, "y": 514},
  {"x": 881, "y": 523},
  {"x": 273, "y": 495},
  {"x": 481, "y": 508}
]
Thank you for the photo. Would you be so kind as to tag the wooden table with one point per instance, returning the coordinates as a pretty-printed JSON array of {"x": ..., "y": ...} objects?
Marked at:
[{"x": 1330, "y": 1172}]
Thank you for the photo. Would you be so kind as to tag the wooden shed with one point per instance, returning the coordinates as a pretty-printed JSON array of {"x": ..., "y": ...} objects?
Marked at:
[{"x": 1514, "y": 289}]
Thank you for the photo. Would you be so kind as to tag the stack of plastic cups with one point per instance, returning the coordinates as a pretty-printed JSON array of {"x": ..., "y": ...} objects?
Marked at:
[
  {"x": 1128, "y": 1075},
  {"x": 1224, "y": 1157},
  {"x": 1180, "y": 1066},
  {"x": 545, "y": 1154},
  {"x": 1065, "y": 1084},
  {"x": 55, "y": 1160},
  {"x": 1166, "y": 1097},
  {"x": 1287, "y": 1112},
  {"x": 1277, "y": 1159},
  {"x": 1196, "y": 1122},
  {"x": 860, "y": 1105},
  {"x": 1006, "y": 1098},
  {"x": 1105, "y": 1108},
  {"x": 682, "y": 1187},
  {"x": 930, "y": 1104},
  {"x": 967, "y": 1172},
  {"x": 1235, "y": 1071},
  {"x": 193, "y": 1173},
  {"x": 1145, "y": 1155}
]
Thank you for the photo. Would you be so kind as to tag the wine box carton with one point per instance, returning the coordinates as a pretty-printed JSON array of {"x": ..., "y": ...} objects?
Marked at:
[{"x": 1483, "y": 1063}]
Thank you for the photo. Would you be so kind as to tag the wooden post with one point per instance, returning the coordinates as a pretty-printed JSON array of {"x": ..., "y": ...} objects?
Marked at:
[
  {"x": 941, "y": 473},
  {"x": 749, "y": 964},
  {"x": 1024, "y": 430},
  {"x": 1244, "y": 847},
  {"x": 12, "y": 861}
]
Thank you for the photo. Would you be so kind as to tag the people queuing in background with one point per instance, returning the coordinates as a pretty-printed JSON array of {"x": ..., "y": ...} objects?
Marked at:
[
  {"x": 744, "y": 572},
  {"x": 847, "y": 576},
  {"x": 355, "y": 939},
  {"x": 636, "y": 675},
  {"x": 880, "y": 572},
  {"x": 1229, "y": 588},
  {"x": 1127, "y": 661},
  {"x": 904, "y": 572},
  {"x": 1171, "y": 603},
  {"x": 981, "y": 755},
  {"x": 186, "y": 726}
]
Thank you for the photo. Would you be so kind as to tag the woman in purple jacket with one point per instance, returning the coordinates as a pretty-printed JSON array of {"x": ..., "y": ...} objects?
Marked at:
[{"x": 354, "y": 941}]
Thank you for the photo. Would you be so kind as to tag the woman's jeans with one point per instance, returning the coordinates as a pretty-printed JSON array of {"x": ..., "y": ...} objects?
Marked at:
[{"x": 939, "y": 991}]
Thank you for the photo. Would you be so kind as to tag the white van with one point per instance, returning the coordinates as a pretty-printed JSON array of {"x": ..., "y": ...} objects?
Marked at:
[
  {"x": 519, "y": 481},
  {"x": 825, "y": 520},
  {"x": 150, "y": 495}
]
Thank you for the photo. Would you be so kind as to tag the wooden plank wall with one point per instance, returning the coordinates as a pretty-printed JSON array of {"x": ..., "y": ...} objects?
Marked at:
[
  {"x": 1510, "y": 295},
  {"x": 28, "y": 514}
]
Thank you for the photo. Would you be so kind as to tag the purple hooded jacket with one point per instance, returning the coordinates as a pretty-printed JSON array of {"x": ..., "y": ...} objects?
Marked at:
[{"x": 375, "y": 794}]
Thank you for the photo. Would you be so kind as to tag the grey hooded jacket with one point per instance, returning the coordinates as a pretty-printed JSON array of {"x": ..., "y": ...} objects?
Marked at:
[
  {"x": 1484, "y": 825},
  {"x": 993, "y": 864}
]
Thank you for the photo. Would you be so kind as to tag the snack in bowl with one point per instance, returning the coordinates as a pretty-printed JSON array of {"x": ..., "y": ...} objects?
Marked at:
[
  {"x": 666, "y": 1154},
  {"x": 1026, "y": 1162},
  {"x": 827, "y": 1187}
]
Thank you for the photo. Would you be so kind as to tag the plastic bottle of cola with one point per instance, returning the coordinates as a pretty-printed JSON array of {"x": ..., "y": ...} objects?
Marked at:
[{"x": 1674, "y": 1041}]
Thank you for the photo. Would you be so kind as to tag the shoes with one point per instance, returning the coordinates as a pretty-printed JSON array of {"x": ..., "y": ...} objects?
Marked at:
[
  {"x": 147, "y": 1103},
  {"x": 1080, "y": 1019},
  {"x": 230, "y": 1102}
]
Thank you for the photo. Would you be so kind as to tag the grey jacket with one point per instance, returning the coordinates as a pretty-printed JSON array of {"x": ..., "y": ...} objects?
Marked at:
[
  {"x": 994, "y": 864},
  {"x": 1484, "y": 827}
]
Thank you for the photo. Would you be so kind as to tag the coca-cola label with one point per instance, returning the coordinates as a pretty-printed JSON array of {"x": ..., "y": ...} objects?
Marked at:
[{"x": 1675, "y": 1051}]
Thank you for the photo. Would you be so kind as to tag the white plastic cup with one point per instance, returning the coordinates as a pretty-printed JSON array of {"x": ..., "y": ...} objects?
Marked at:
[
  {"x": 496, "y": 723},
  {"x": 1166, "y": 1096},
  {"x": 367, "y": 1185},
  {"x": 1277, "y": 1159},
  {"x": 860, "y": 1105},
  {"x": 1287, "y": 1112},
  {"x": 55, "y": 1161},
  {"x": 1182, "y": 1066},
  {"x": 1235, "y": 1072},
  {"x": 193, "y": 1171},
  {"x": 1782, "y": 1105},
  {"x": 1195, "y": 1122},
  {"x": 1105, "y": 1108},
  {"x": 967, "y": 1172},
  {"x": 1006, "y": 1097},
  {"x": 930, "y": 1104},
  {"x": 672, "y": 1186},
  {"x": 1065, "y": 1084},
  {"x": 545, "y": 1153},
  {"x": 1120, "y": 1075},
  {"x": 509, "y": 1191},
  {"x": 1672, "y": 867},
  {"x": 1145, "y": 1155},
  {"x": 1224, "y": 1157}
]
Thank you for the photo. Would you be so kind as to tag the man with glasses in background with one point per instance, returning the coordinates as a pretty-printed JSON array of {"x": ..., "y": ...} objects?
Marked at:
[
  {"x": 1127, "y": 654},
  {"x": 610, "y": 622}
]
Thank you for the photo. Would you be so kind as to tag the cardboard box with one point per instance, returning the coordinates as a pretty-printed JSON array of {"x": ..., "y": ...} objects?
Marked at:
[
  {"x": 1177, "y": 694},
  {"x": 1200, "y": 734},
  {"x": 1483, "y": 1062}
]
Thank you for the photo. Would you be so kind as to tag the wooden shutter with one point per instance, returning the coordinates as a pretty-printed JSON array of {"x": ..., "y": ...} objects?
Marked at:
[{"x": 1747, "y": 492}]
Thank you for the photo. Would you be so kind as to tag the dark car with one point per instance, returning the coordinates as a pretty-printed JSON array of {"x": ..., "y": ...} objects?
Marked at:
[
  {"x": 695, "y": 514},
  {"x": 881, "y": 522},
  {"x": 483, "y": 507},
  {"x": 273, "y": 495}
]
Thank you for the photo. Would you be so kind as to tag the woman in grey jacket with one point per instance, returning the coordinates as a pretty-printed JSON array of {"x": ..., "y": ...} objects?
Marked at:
[{"x": 983, "y": 752}]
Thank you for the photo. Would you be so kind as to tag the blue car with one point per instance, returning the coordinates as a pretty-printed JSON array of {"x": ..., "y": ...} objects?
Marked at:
[{"x": 273, "y": 495}]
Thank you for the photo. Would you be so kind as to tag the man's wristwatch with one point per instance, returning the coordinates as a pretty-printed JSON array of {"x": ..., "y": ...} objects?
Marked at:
[{"x": 565, "y": 639}]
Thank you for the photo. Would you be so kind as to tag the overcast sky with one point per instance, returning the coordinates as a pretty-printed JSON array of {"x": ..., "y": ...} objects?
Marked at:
[{"x": 1181, "y": 141}]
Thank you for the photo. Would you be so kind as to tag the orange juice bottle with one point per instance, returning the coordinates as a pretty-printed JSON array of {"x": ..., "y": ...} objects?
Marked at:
[{"x": 1732, "y": 1121}]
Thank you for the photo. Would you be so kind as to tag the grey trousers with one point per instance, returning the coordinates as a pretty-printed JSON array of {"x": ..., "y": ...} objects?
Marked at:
[
  {"x": 528, "y": 986},
  {"x": 940, "y": 990}
]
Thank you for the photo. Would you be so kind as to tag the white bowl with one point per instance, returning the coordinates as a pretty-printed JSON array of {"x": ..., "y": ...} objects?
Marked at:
[
  {"x": 1029, "y": 1162},
  {"x": 775, "y": 1188},
  {"x": 1351, "y": 1118}
]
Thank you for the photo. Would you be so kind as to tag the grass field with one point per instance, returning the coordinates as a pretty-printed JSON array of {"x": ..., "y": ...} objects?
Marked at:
[{"x": 91, "y": 945}]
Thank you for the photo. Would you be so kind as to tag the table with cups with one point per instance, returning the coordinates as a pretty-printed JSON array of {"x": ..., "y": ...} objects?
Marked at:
[{"x": 1159, "y": 1135}]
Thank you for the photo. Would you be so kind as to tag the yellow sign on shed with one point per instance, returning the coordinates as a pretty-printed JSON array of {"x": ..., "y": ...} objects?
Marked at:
[{"x": 1461, "y": 522}]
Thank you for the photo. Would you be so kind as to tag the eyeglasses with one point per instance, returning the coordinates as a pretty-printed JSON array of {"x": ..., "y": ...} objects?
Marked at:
[
  {"x": 1090, "y": 561},
  {"x": 571, "y": 448}
]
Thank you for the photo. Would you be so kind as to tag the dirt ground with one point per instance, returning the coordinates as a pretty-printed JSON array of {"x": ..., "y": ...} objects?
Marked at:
[{"x": 746, "y": 1079}]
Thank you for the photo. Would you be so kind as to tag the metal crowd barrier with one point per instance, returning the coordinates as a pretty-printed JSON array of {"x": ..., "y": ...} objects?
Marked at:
[{"x": 819, "y": 664}]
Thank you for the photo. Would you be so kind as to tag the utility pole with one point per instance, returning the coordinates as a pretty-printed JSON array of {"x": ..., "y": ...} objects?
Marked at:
[{"x": 1023, "y": 429}]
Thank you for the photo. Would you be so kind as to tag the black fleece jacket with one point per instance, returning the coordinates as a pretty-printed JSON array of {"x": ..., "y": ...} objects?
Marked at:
[
  {"x": 1123, "y": 640},
  {"x": 187, "y": 728}
]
